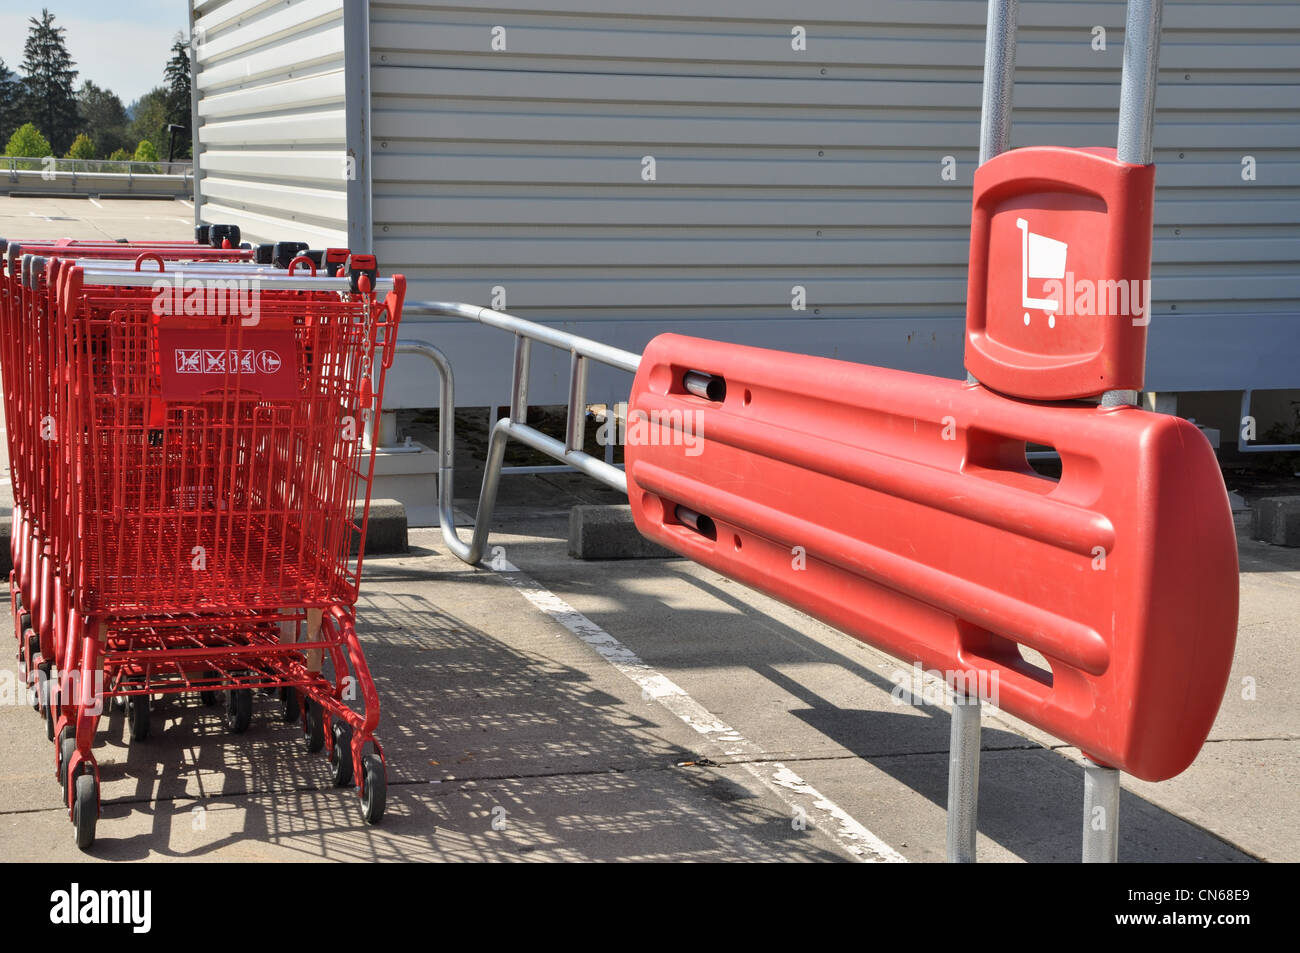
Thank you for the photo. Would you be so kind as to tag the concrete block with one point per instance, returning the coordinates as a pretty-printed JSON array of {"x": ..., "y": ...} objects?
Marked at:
[
  {"x": 1277, "y": 520},
  {"x": 386, "y": 531},
  {"x": 608, "y": 532}
]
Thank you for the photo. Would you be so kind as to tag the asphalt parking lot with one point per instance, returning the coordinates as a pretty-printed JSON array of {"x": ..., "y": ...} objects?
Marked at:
[{"x": 554, "y": 710}]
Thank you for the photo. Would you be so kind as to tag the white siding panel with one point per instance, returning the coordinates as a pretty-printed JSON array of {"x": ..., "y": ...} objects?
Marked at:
[
  {"x": 271, "y": 99},
  {"x": 775, "y": 168}
]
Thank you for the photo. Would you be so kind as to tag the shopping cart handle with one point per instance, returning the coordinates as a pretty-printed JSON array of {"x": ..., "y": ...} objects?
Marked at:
[
  {"x": 363, "y": 266},
  {"x": 149, "y": 256},
  {"x": 302, "y": 259}
]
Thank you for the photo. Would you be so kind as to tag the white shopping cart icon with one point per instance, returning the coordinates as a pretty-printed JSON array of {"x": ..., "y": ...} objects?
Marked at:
[{"x": 1040, "y": 257}]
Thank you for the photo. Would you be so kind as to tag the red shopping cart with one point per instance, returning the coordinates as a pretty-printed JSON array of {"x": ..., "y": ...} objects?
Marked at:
[
  {"x": 25, "y": 355},
  {"x": 200, "y": 511}
]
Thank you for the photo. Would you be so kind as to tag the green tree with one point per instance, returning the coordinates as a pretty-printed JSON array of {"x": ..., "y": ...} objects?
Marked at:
[
  {"x": 10, "y": 101},
  {"x": 49, "y": 74},
  {"x": 150, "y": 122},
  {"x": 28, "y": 141},
  {"x": 177, "y": 75},
  {"x": 120, "y": 155},
  {"x": 146, "y": 152},
  {"x": 83, "y": 147},
  {"x": 103, "y": 117}
]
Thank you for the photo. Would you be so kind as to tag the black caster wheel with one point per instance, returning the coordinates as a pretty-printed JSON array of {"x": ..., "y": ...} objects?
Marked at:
[
  {"x": 85, "y": 810},
  {"x": 289, "y": 710},
  {"x": 341, "y": 756},
  {"x": 137, "y": 716},
  {"x": 67, "y": 745},
  {"x": 33, "y": 643},
  {"x": 239, "y": 710},
  {"x": 375, "y": 794},
  {"x": 208, "y": 696},
  {"x": 24, "y": 621},
  {"x": 315, "y": 727},
  {"x": 43, "y": 690}
]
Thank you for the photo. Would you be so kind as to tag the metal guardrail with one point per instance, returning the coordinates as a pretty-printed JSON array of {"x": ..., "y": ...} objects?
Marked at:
[
  {"x": 21, "y": 175},
  {"x": 568, "y": 451},
  {"x": 55, "y": 165}
]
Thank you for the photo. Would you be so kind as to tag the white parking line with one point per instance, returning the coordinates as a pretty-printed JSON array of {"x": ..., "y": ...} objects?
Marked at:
[
  {"x": 801, "y": 797},
  {"x": 93, "y": 202}
]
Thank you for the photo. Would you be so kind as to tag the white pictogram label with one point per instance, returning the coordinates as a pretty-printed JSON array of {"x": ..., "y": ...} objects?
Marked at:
[
  {"x": 216, "y": 361},
  {"x": 1040, "y": 257}
]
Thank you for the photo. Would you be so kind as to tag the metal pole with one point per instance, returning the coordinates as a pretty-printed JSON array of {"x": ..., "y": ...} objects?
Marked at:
[
  {"x": 576, "y": 429},
  {"x": 1137, "y": 111},
  {"x": 1100, "y": 813},
  {"x": 963, "y": 779},
  {"x": 519, "y": 386},
  {"x": 999, "y": 84},
  {"x": 1137, "y": 90},
  {"x": 999, "y": 78}
]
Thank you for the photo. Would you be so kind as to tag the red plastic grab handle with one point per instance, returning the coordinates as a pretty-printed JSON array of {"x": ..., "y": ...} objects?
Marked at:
[
  {"x": 149, "y": 256},
  {"x": 302, "y": 258}
]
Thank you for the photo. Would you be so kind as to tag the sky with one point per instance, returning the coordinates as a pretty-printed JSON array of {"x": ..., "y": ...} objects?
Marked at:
[{"x": 119, "y": 44}]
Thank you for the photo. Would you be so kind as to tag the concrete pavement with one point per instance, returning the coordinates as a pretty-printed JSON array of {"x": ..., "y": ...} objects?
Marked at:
[{"x": 640, "y": 710}]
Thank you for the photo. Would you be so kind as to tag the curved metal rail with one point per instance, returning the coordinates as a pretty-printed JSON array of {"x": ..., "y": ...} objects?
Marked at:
[{"x": 569, "y": 451}]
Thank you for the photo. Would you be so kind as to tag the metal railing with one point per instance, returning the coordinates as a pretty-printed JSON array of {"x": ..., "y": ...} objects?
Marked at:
[
  {"x": 54, "y": 165},
  {"x": 569, "y": 451}
]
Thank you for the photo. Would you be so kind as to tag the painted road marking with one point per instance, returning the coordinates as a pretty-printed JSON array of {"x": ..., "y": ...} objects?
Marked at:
[{"x": 800, "y": 796}]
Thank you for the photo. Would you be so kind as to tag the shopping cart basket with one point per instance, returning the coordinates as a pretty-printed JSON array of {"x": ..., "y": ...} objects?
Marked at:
[{"x": 207, "y": 496}]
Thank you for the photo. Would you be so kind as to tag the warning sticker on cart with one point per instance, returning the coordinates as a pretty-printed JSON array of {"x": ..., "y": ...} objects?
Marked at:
[{"x": 197, "y": 363}]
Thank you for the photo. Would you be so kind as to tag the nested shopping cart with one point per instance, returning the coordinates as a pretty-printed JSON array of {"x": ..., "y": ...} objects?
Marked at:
[
  {"x": 203, "y": 502},
  {"x": 28, "y": 387}
]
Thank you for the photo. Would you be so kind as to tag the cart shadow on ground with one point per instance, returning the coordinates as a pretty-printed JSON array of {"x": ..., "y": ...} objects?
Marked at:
[
  {"x": 501, "y": 747},
  {"x": 493, "y": 754}
]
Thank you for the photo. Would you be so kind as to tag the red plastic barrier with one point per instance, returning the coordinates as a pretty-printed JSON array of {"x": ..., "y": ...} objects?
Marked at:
[
  {"x": 1059, "y": 289},
  {"x": 901, "y": 509}
]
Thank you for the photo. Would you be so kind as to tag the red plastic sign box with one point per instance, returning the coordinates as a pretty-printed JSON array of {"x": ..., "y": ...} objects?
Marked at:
[{"x": 1059, "y": 288}]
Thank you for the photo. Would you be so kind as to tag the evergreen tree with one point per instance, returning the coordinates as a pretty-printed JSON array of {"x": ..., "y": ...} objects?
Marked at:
[
  {"x": 177, "y": 75},
  {"x": 10, "y": 104},
  {"x": 49, "y": 74},
  {"x": 150, "y": 121},
  {"x": 103, "y": 117}
]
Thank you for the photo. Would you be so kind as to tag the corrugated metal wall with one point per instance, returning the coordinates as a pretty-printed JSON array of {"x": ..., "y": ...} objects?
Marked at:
[
  {"x": 522, "y": 168},
  {"x": 270, "y": 86}
]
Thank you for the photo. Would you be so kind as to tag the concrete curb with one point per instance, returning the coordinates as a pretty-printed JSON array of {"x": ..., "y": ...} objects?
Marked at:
[{"x": 607, "y": 532}]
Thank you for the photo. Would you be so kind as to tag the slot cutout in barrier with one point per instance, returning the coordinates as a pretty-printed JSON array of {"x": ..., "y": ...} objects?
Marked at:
[
  {"x": 697, "y": 522},
  {"x": 708, "y": 386}
]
